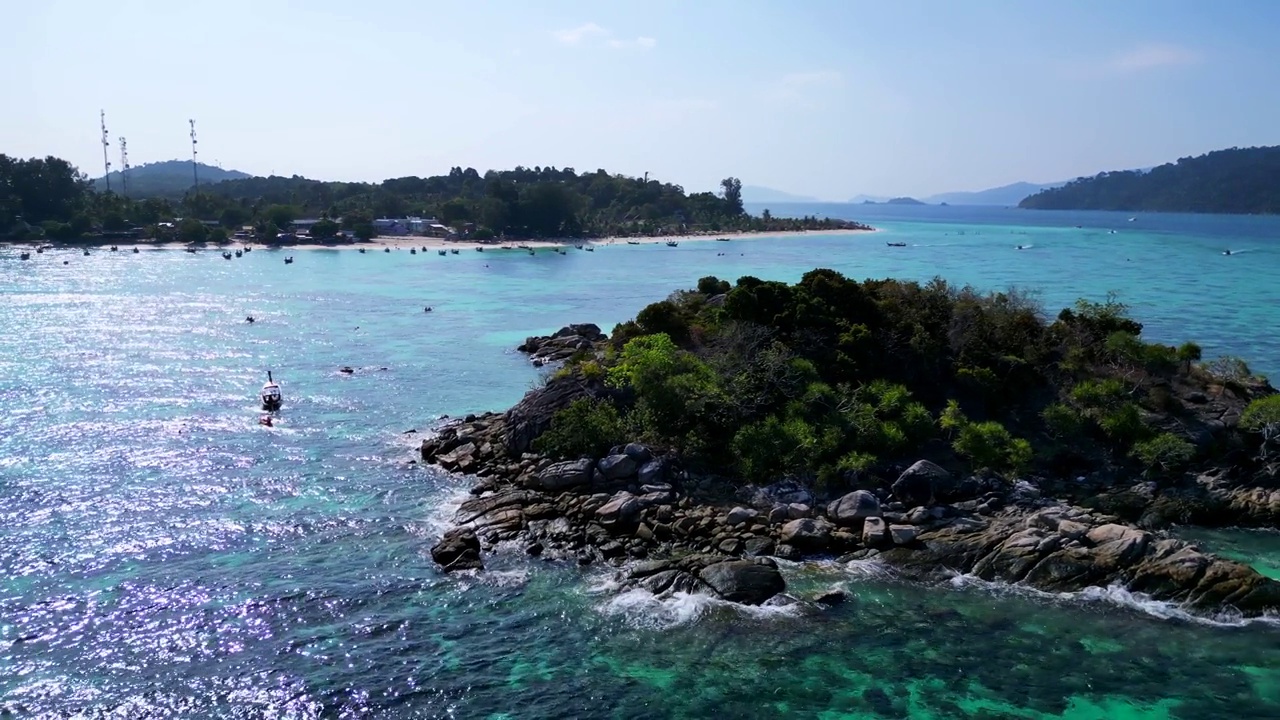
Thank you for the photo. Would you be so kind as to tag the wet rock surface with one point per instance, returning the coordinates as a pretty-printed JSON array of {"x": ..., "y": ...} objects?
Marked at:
[
  {"x": 562, "y": 344},
  {"x": 705, "y": 534}
]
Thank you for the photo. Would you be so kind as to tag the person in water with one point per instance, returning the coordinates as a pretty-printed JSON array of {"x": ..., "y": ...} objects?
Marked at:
[{"x": 265, "y": 420}]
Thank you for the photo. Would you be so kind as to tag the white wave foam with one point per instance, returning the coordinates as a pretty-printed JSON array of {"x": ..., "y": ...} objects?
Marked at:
[
  {"x": 641, "y": 608},
  {"x": 1121, "y": 597}
]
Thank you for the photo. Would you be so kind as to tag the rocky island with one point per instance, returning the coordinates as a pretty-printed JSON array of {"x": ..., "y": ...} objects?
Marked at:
[{"x": 934, "y": 429}]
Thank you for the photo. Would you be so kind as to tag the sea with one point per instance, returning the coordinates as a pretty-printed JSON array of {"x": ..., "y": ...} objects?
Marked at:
[{"x": 165, "y": 555}]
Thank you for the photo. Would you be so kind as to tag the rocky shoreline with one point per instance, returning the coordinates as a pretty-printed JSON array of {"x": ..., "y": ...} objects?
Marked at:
[{"x": 671, "y": 529}]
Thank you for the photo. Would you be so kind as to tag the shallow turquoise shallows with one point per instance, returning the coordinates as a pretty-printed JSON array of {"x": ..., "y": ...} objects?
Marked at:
[{"x": 165, "y": 555}]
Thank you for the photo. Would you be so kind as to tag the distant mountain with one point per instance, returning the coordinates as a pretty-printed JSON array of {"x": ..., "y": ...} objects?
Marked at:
[
  {"x": 1238, "y": 180},
  {"x": 865, "y": 199},
  {"x": 904, "y": 201},
  {"x": 1005, "y": 195},
  {"x": 170, "y": 178},
  {"x": 758, "y": 194}
]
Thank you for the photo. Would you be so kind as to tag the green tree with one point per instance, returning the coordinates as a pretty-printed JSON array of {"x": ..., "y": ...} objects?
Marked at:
[
  {"x": 325, "y": 229},
  {"x": 732, "y": 189},
  {"x": 191, "y": 230},
  {"x": 1262, "y": 416},
  {"x": 1165, "y": 452}
]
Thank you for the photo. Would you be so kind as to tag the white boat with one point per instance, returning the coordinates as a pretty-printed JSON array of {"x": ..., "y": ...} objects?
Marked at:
[{"x": 271, "y": 397}]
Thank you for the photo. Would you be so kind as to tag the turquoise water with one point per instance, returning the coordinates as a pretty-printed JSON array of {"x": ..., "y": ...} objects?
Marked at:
[{"x": 164, "y": 555}]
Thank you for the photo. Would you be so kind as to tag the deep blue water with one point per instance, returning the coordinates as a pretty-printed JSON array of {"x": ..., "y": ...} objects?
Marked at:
[{"x": 164, "y": 555}]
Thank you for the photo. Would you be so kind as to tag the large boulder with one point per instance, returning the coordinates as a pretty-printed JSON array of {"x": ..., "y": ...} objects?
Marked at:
[
  {"x": 854, "y": 507},
  {"x": 618, "y": 467},
  {"x": 564, "y": 475},
  {"x": 744, "y": 581},
  {"x": 783, "y": 492},
  {"x": 623, "y": 508},
  {"x": 807, "y": 534},
  {"x": 922, "y": 484},
  {"x": 652, "y": 472},
  {"x": 531, "y": 417},
  {"x": 460, "y": 459},
  {"x": 459, "y": 549}
]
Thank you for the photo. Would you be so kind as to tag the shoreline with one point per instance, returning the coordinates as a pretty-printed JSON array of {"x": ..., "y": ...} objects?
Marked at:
[{"x": 397, "y": 242}]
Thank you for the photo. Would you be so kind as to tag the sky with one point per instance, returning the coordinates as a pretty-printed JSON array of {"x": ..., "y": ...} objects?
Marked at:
[{"x": 827, "y": 98}]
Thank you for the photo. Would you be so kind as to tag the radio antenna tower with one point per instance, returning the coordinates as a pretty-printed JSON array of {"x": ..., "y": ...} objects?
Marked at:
[
  {"x": 195, "y": 171},
  {"x": 106, "y": 164},
  {"x": 124, "y": 165}
]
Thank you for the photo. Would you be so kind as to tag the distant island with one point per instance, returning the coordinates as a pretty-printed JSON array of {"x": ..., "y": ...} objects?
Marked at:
[
  {"x": 1237, "y": 180},
  {"x": 49, "y": 198},
  {"x": 1003, "y": 196},
  {"x": 756, "y": 194},
  {"x": 895, "y": 201}
]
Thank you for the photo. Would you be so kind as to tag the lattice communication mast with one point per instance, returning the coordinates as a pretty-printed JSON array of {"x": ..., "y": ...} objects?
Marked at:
[
  {"x": 106, "y": 164},
  {"x": 195, "y": 171},
  {"x": 124, "y": 165}
]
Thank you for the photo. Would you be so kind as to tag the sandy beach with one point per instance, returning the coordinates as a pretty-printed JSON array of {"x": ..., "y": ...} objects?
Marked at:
[{"x": 431, "y": 243}]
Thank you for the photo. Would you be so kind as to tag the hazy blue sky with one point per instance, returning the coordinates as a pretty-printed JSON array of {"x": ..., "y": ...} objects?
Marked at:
[{"x": 820, "y": 97}]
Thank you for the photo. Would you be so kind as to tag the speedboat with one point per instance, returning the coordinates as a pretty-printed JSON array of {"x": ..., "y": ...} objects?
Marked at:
[
  {"x": 562, "y": 252},
  {"x": 238, "y": 253},
  {"x": 361, "y": 250},
  {"x": 633, "y": 242},
  {"x": 1226, "y": 252},
  {"x": 386, "y": 249},
  {"x": 479, "y": 249},
  {"x": 413, "y": 251},
  {"x": 25, "y": 256},
  {"x": 114, "y": 248},
  {"x": 589, "y": 249},
  {"x": 288, "y": 260},
  {"x": 1132, "y": 219},
  {"x": 897, "y": 244},
  {"x": 271, "y": 397},
  {"x": 672, "y": 243},
  {"x": 723, "y": 239},
  {"x": 86, "y": 252},
  {"x": 226, "y": 256},
  {"x": 135, "y": 251},
  {"x": 453, "y": 251}
]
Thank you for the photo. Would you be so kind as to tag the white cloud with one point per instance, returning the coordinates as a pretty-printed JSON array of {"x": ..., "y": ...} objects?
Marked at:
[
  {"x": 591, "y": 31},
  {"x": 1149, "y": 57},
  {"x": 573, "y": 36},
  {"x": 644, "y": 43}
]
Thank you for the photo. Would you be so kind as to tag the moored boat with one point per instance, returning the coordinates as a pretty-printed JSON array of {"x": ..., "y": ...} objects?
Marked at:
[
  {"x": 672, "y": 243},
  {"x": 288, "y": 260},
  {"x": 453, "y": 251},
  {"x": 271, "y": 397},
  {"x": 442, "y": 252},
  {"x": 897, "y": 244},
  {"x": 25, "y": 256}
]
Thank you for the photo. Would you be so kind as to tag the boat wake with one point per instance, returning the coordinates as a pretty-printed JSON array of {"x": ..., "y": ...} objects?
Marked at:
[{"x": 1119, "y": 597}]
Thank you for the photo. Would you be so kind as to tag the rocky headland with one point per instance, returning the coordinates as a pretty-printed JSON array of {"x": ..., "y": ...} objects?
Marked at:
[{"x": 671, "y": 521}]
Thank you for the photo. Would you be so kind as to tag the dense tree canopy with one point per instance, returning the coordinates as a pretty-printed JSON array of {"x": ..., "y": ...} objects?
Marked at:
[
  {"x": 1238, "y": 180},
  {"x": 524, "y": 202},
  {"x": 829, "y": 378}
]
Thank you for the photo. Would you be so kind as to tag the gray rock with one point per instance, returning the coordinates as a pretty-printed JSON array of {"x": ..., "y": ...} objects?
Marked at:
[
  {"x": 779, "y": 514},
  {"x": 903, "y": 534},
  {"x": 739, "y": 515},
  {"x": 459, "y": 549},
  {"x": 743, "y": 581},
  {"x": 795, "y": 511},
  {"x": 638, "y": 452},
  {"x": 618, "y": 467},
  {"x": 730, "y": 546},
  {"x": 783, "y": 492},
  {"x": 922, "y": 483},
  {"x": 787, "y": 552},
  {"x": 1024, "y": 492},
  {"x": 855, "y": 506},
  {"x": 621, "y": 508},
  {"x": 807, "y": 534},
  {"x": 875, "y": 533},
  {"x": 564, "y": 475},
  {"x": 919, "y": 516},
  {"x": 759, "y": 546},
  {"x": 831, "y": 598},
  {"x": 652, "y": 472}
]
